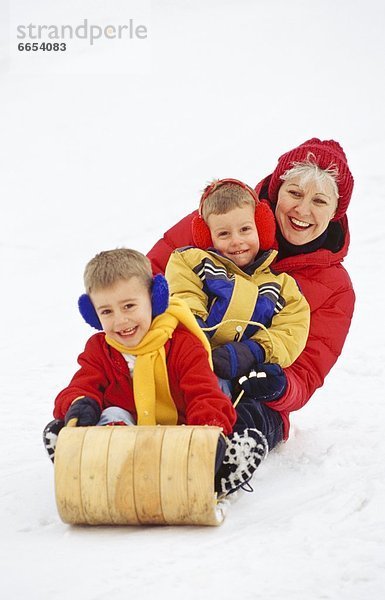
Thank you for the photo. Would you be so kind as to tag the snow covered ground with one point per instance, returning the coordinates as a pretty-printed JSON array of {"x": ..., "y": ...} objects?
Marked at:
[{"x": 111, "y": 144}]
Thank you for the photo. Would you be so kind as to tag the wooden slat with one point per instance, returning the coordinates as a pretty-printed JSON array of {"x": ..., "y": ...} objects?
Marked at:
[
  {"x": 173, "y": 475},
  {"x": 67, "y": 475},
  {"x": 147, "y": 456},
  {"x": 201, "y": 467},
  {"x": 93, "y": 475},
  {"x": 120, "y": 476}
]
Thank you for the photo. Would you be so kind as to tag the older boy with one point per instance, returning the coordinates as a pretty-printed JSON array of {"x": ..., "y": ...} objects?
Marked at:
[
  {"x": 150, "y": 365},
  {"x": 255, "y": 319}
]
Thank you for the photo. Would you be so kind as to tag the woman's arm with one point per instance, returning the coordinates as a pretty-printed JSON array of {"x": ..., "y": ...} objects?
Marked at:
[
  {"x": 329, "y": 326},
  {"x": 178, "y": 236}
]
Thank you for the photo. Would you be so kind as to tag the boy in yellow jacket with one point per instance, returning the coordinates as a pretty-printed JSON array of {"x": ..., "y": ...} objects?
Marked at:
[{"x": 257, "y": 321}]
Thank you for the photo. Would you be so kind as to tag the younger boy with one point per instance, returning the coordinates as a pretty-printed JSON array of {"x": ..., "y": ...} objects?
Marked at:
[
  {"x": 150, "y": 365},
  {"x": 255, "y": 319}
]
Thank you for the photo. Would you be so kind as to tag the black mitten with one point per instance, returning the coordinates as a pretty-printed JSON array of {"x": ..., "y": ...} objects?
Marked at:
[
  {"x": 86, "y": 410},
  {"x": 266, "y": 383}
]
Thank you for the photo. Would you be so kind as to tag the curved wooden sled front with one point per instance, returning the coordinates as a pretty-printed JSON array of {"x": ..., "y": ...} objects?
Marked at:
[{"x": 137, "y": 475}]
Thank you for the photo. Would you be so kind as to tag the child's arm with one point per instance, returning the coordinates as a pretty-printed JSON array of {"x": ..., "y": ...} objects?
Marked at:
[
  {"x": 185, "y": 284},
  {"x": 286, "y": 337},
  {"x": 89, "y": 381},
  {"x": 205, "y": 403},
  {"x": 281, "y": 344}
]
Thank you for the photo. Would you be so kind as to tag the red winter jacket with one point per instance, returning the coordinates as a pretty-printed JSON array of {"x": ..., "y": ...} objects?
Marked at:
[
  {"x": 328, "y": 289},
  {"x": 104, "y": 376}
]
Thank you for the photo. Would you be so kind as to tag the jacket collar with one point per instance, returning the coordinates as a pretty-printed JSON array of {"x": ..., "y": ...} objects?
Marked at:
[{"x": 261, "y": 262}]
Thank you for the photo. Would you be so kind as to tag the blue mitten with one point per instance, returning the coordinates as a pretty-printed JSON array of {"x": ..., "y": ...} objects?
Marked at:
[
  {"x": 236, "y": 358},
  {"x": 86, "y": 410},
  {"x": 266, "y": 383}
]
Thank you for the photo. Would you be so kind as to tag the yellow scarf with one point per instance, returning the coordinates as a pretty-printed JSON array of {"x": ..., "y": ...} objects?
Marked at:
[{"x": 153, "y": 401}]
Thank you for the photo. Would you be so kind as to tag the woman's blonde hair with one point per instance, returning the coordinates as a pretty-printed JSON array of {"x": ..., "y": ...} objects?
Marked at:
[{"x": 110, "y": 266}]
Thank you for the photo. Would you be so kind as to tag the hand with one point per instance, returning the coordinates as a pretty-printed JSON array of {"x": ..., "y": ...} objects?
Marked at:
[
  {"x": 85, "y": 410},
  {"x": 235, "y": 358},
  {"x": 266, "y": 383}
]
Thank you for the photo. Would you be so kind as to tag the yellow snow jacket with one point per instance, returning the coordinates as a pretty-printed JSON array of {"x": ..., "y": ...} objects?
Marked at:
[{"x": 255, "y": 305}]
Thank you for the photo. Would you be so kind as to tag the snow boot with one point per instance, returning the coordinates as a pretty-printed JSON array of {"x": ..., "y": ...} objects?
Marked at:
[
  {"x": 50, "y": 433},
  {"x": 244, "y": 453}
]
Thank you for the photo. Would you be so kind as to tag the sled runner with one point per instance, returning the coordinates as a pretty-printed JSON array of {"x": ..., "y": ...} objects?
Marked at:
[{"x": 137, "y": 475}]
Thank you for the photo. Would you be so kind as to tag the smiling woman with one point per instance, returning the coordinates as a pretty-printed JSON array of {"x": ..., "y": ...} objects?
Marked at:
[
  {"x": 309, "y": 192},
  {"x": 307, "y": 201}
]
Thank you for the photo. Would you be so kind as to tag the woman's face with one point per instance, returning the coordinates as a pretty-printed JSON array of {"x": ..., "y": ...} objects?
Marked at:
[{"x": 304, "y": 211}]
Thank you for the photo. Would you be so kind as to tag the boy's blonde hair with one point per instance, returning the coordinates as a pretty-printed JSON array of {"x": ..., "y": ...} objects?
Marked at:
[
  {"x": 110, "y": 266},
  {"x": 224, "y": 198}
]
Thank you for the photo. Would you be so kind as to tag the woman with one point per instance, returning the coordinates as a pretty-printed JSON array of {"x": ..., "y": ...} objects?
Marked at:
[{"x": 309, "y": 191}]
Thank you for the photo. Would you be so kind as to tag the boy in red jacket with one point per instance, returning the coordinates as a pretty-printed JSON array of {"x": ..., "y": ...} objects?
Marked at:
[{"x": 150, "y": 365}]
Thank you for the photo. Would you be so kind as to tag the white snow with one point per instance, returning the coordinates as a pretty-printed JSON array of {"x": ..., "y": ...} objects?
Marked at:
[{"x": 105, "y": 148}]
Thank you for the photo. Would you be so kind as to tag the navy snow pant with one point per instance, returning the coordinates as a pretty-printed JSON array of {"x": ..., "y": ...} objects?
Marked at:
[{"x": 260, "y": 416}]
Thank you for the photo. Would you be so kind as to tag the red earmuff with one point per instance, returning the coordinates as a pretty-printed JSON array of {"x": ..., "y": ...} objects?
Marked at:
[
  {"x": 265, "y": 223},
  {"x": 264, "y": 218},
  {"x": 201, "y": 233}
]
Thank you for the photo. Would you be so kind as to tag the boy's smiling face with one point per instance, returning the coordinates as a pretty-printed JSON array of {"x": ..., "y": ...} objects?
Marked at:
[
  {"x": 235, "y": 234},
  {"x": 124, "y": 310}
]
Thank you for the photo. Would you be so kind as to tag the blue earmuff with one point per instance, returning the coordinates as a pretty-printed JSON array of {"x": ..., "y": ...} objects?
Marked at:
[
  {"x": 160, "y": 295},
  {"x": 88, "y": 312},
  {"x": 159, "y": 302}
]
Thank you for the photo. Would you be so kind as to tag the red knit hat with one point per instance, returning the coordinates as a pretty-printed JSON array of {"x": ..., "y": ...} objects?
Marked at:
[
  {"x": 327, "y": 153},
  {"x": 264, "y": 218}
]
